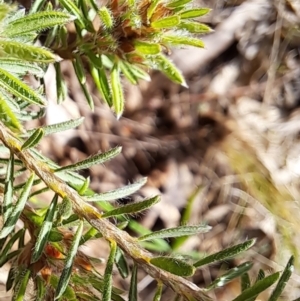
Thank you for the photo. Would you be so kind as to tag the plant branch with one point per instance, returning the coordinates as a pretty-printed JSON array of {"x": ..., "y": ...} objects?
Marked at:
[{"x": 110, "y": 232}]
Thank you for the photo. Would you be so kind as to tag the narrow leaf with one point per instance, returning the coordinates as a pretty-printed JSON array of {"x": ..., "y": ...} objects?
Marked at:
[
  {"x": 194, "y": 13},
  {"x": 182, "y": 40},
  {"x": 227, "y": 253},
  {"x": 117, "y": 91},
  {"x": 138, "y": 72},
  {"x": 158, "y": 292},
  {"x": 176, "y": 232},
  {"x": 91, "y": 233},
  {"x": 61, "y": 88},
  {"x": 43, "y": 235},
  {"x": 128, "y": 73},
  {"x": 40, "y": 289},
  {"x": 173, "y": 265},
  {"x": 37, "y": 22},
  {"x": 245, "y": 282},
  {"x": 102, "y": 84},
  {"x": 169, "y": 69},
  {"x": 147, "y": 48},
  {"x": 283, "y": 280},
  {"x": 167, "y": 22},
  {"x": 133, "y": 294},
  {"x": 71, "y": 7},
  {"x": 34, "y": 139},
  {"x": 8, "y": 246},
  {"x": 178, "y": 3},
  {"x": 194, "y": 27},
  {"x": 59, "y": 127},
  {"x": 7, "y": 206},
  {"x": 106, "y": 17},
  {"x": 107, "y": 279},
  {"x": 152, "y": 9},
  {"x": 19, "y": 89},
  {"x": 230, "y": 275},
  {"x": 19, "y": 293},
  {"x": 8, "y": 115},
  {"x": 96, "y": 159},
  {"x": 84, "y": 186},
  {"x": 133, "y": 208},
  {"x": 121, "y": 263},
  {"x": 18, "y": 208},
  {"x": 79, "y": 69},
  {"x": 257, "y": 288},
  {"x": 27, "y": 52},
  {"x": 118, "y": 193},
  {"x": 20, "y": 68},
  {"x": 67, "y": 271}
]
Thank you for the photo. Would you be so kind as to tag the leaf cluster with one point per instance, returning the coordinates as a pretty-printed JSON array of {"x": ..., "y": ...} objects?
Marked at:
[{"x": 50, "y": 265}]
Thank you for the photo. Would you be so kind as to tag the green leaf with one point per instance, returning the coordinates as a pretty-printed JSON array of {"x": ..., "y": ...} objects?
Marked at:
[
  {"x": 176, "y": 232},
  {"x": 8, "y": 116},
  {"x": 67, "y": 271},
  {"x": 61, "y": 87},
  {"x": 19, "y": 292},
  {"x": 18, "y": 208},
  {"x": 225, "y": 254},
  {"x": 43, "y": 235},
  {"x": 91, "y": 233},
  {"x": 59, "y": 127},
  {"x": 8, "y": 246},
  {"x": 169, "y": 69},
  {"x": 121, "y": 263},
  {"x": 26, "y": 52},
  {"x": 79, "y": 69},
  {"x": 19, "y": 89},
  {"x": 4, "y": 10},
  {"x": 178, "y": 3},
  {"x": 151, "y": 9},
  {"x": 136, "y": 71},
  {"x": 126, "y": 70},
  {"x": 106, "y": 17},
  {"x": 132, "y": 208},
  {"x": 257, "y": 288},
  {"x": 133, "y": 294},
  {"x": 158, "y": 292},
  {"x": 18, "y": 67},
  {"x": 71, "y": 7},
  {"x": 245, "y": 281},
  {"x": 147, "y": 48},
  {"x": 107, "y": 278},
  {"x": 88, "y": 96},
  {"x": 10, "y": 279},
  {"x": 100, "y": 79},
  {"x": 181, "y": 40},
  {"x": 34, "y": 139},
  {"x": 7, "y": 206},
  {"x": 84, "y": 186},
  {"x": 117, "y": 91},
  {"x": 283, "y": 280},
  {"x": 194, "y": 27},
  {"x": 118, "y": 193},
  {"x": 230, "y": 275},
  {"x": 40, "y": 289},
  {"x": 93, "y": 160},
  {"x": 173, "y": 265},
  {"x": 167, "y": 22},
  {"x": 194, "y": 13},
  {"x": 37, "y": 22}
]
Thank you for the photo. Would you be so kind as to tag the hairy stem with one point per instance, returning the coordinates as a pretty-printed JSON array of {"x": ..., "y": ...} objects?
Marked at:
[{"x": 106, "y": 228}]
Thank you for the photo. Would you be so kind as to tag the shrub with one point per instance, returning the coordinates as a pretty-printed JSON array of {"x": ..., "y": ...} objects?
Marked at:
[{"x": 123, "y": 37}]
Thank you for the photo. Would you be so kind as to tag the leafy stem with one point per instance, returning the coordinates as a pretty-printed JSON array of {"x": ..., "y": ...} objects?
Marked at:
[{"x": 109, "y": 231}]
